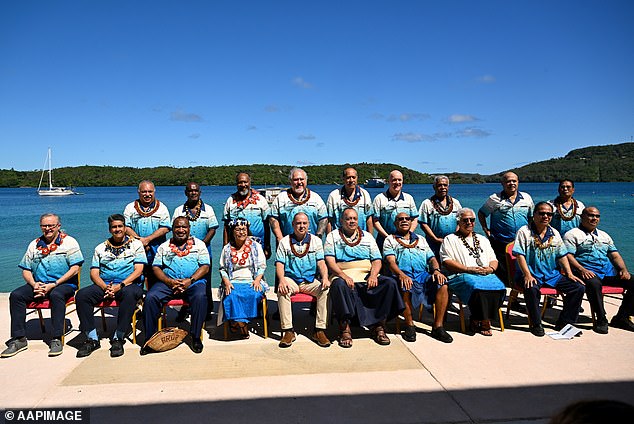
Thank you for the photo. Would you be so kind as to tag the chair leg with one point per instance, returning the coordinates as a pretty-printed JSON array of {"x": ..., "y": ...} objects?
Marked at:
[
  {"x": 501, "y": 319},
  {"x": 420, "y": 312},
  {"x": 134, "y": 325},
  {"x": 462, "y": 323},
  {"x": 544, "y": 305},
  {"x": 226, "y": 330},
  {"x": 512, "y": 298},
  {"x": 103, "y": 320},
  {"x": 265, "y": 317},
  {"x": 42, "y": 327}
]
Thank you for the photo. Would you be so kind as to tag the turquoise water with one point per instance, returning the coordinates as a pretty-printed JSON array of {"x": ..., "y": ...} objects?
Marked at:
[{"x": 84, "y": 217}]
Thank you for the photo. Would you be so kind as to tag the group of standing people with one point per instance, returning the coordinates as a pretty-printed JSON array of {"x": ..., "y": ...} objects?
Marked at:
[{"x": 329, "y": 251}]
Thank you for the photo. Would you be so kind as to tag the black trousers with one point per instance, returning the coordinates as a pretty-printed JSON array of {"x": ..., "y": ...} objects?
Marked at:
[
  {"x": 88, "y": 297},
  {"x": 20, "y": 297},
  {"x": 499, "y": 248},
  {"x": 573, "y": 295},
  {"x": 484, "y": 304},
  {"x": 595, "y": 297},
  {"x": 160, "y": 294},
  {"x": 370, "y": 306}
]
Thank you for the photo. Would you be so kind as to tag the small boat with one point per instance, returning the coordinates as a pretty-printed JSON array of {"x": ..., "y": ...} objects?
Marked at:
[
  {"x": 374, "y": 182},
  {"x": 52, "y": 190},
  {"x": 270, "y": 193}
]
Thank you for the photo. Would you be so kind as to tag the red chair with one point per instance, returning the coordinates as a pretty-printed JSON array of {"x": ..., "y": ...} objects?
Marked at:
[
  {"x": 174, "y": 303},
  {"x": 605, "y": 290},
  {"x": 40, "y": 305},
  {"x": 516, "y": 290},
  {"x": 112, "y": 303}
]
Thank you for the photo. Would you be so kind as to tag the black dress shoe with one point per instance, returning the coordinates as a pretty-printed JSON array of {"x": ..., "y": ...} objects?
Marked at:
[
  {"x": 538, "y": 331},
  {"x": 88, "y": 347},
  {"x": 197, "y": 345},
  {"x": 441, "y": 335},
  {"x": 116, "y": 348},
  {"x": 622, "y": 323}
]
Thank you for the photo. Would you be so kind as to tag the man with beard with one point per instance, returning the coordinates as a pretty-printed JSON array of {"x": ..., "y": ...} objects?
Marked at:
[
  {"x": 148, "y": 220},
  {"x": 249, "y": 204},
  {"x": 181, "y": 267}
]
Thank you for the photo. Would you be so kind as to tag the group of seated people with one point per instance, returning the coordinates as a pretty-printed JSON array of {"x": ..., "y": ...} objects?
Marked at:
[{"x": 362, "y": 279}]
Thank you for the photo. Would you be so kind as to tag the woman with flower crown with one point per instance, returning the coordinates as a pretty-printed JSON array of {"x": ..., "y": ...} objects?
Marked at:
[
  {"x": 242, "y": 265},
  {"x": 470, "y": 263},
  {"x": 541, "y": 260}
]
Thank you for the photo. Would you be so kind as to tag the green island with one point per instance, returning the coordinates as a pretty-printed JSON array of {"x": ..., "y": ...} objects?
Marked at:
[{"x": 609, "y": 163}]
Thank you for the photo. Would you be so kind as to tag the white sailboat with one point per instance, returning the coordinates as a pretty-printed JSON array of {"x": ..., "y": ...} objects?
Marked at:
[{"x": 52, "y": 190}]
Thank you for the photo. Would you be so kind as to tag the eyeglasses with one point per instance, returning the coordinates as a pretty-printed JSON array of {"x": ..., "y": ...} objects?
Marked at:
[
  {"x": 542, "y": 213},
  {"x": 467, "y": 220},
  {"x": 593, "y": 215},
  {"x": 402, "y": 218},
  {"x": 45, "y": 226},
  {"x": 241, "y": 229}
]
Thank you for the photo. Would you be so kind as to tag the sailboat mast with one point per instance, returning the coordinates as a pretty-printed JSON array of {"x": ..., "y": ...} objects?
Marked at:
[{"x": 50, "y": 169}]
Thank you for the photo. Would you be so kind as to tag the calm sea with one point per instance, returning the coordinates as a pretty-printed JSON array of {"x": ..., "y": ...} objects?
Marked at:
[{"x": 84, "y": 217}]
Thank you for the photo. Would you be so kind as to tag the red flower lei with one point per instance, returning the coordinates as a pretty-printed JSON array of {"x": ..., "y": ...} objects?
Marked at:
[
  {"x": 350, "y": 202},
  {"x": 246, "y": 249},
  {"x": 51, "y": 247},
  {"x": 252, "y": 199},
  {"x": 303, "y": 198},
  {"x": 148, "y": 212},
  {"x": 180, "y": 253}
]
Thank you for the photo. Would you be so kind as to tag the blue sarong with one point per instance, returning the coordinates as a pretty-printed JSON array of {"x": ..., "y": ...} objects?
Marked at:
[
  {"x": 242, "y": 303},
  {"x": 464, "y": 284}
]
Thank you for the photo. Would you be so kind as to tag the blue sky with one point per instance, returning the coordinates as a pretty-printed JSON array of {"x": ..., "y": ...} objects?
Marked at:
[{"x": 437, "y": 86}]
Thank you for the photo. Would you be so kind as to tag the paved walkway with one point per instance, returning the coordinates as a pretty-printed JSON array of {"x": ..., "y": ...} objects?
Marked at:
[{"x": 512, "y": 377}]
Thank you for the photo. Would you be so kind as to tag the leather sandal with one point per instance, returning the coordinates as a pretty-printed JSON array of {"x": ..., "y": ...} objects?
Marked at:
[
  {"x": 244, "y": 330},
  {"x": 380, "y": 337},
  {"x": 485, "y": 328},
  {"x": 345, "y": 336}
]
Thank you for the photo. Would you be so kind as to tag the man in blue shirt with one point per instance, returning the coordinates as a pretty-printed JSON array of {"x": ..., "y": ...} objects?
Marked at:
[{"x": 595, "y": 259}]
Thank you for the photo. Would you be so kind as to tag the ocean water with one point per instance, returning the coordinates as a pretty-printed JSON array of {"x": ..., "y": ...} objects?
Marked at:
[{"x": 84, "y": 217}]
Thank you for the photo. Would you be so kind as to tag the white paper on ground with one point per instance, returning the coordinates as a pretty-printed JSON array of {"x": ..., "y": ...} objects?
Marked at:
[{"x": 566, "y": 333}]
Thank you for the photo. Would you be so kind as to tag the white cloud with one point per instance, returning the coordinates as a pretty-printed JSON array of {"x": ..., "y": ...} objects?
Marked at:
[
  {"x": 185, "y": 117},
  {"x": 306, "y": 137},
  {"x": 300, "y": 82},
  {"x": 411, "y": 137},
  {"x": 486, "y": 79},
  {"x": 458, "y": 118},
  {"x": 194, "y": 136},
  {"x": 271, "y": 108},
  {"x": 472, "y": 132},
  {"x": 402, "y": 117},
  {"x": 305, "y": 162},
  {"x": 252, "y": 128}
]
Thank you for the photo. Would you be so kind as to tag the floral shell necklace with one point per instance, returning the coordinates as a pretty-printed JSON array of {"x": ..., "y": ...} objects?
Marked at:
[
  {"x": 302, "y": 199},
  {"x": 475, "y": 250},
  {"x": 184, "y": 251},
  {"x": 117, "y": 249},
  {"x": 146, "y": 211},
  {"x": 44, "y": 249},
  {"x": 306, "y": 249},
  {"x": 251, "y": 199},
  {"x": 439, "y": 208},
  {"x": 188, "y": 212},
  {"x": 406, "y": 245},
  {"x": 246, "y": 249},
  {"x": 566, "y": 216},
  {"x": 352, "y": 241}
]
